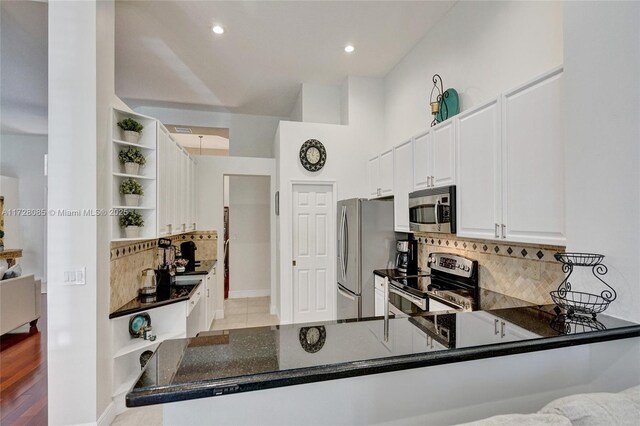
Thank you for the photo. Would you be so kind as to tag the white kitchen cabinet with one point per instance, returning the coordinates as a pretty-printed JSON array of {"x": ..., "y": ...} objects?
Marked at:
[
  {"x": 403, "y": 182},
  {"x": 435, "y": 306},
  {"x": 533, "y": 158},
  {"x": 379, "y": 303},
  {"x": 373, "y": 176},
  {"x": 482, "y": 328},
  {"x": 386, "y": 173},
  {"x": 422, "y": 161},
  {"x": 434, "y": 157},
  {"x": 380, "y": 175},
  {"x": 378, "y": 285},
  {"x": 163, "y": 155},
  {"x": 510, "y": 183},
  {"x": 444, "y": 154},
  {"x": 210, "y": 290},
  {"x": 479, "y": 187}
]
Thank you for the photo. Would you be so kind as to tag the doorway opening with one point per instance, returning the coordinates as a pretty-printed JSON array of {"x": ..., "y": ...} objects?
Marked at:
[{"x": 247, "y": 252}]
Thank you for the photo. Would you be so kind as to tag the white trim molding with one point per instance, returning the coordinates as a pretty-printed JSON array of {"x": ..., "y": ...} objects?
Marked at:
[{"x": 239, "y": 294}]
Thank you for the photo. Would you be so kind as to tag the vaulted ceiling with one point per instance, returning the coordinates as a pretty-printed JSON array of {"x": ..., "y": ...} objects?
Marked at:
[{"x": 167, "y": 54}]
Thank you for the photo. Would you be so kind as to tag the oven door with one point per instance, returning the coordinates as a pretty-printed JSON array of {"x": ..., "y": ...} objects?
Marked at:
[
  {"x": 430, "y": 213},
  {"x": 403, "y": 304}
]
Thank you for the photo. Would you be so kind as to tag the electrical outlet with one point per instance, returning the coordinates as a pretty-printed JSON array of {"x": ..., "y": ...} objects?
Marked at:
[{"x": 76, "y": 276}]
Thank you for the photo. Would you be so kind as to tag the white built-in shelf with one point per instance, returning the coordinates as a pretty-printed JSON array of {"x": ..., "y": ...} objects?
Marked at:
[
  {"x": 135, "y": 207},
  {"x": 124, "y": 175},
  {"x": 139, "y": 343},
  {"x": 135, "y": 145}
]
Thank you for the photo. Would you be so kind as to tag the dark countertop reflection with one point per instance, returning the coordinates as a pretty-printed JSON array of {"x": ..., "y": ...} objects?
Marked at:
[{"x": 217, "y": 363}]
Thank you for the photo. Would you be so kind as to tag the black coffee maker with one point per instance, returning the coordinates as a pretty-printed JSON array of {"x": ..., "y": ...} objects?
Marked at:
[
  {"x": 165, "y": 274},
  {"x": 407, "y": 256},
  {"x": 188, "y": 252}
]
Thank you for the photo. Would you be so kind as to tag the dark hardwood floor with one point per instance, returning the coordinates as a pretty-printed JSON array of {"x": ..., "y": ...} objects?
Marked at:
[{"x": 23, "y": 375}]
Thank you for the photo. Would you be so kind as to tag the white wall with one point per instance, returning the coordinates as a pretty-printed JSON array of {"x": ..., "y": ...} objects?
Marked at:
[
  {"x": 480, "y": 49},
  {"x": 22, "y": 157},
  {"x": 72, "y": 344},
  {"x": 249, "y": 232},
  {"x": 210, "y": 197},
  {"x": 601, "y": 59},
  {"x": 249, "y": 135},
  {"x": 321, "y": 103},
  {"x": 347, "y": 147}
]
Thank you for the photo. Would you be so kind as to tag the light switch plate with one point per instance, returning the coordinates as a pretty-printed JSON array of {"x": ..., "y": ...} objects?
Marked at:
[{"x": 75, "y": 276}]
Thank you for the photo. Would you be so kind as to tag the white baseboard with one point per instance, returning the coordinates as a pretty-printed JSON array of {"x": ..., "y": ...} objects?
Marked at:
[
  {"x": 108, "y": 416},
  {"x": 239, "y": 294}
]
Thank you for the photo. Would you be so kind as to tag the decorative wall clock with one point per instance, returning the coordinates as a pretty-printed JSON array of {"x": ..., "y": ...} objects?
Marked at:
[{"x": 313, "y": 155}]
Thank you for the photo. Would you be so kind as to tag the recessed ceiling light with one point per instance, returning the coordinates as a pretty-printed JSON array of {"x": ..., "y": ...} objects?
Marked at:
[
  {"x": 217, "y": 29},
  {"x": 349, "y": 48}
]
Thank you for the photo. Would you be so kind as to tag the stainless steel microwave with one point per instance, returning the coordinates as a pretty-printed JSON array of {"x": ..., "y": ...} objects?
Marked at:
[{"x": 433, "y": 210}]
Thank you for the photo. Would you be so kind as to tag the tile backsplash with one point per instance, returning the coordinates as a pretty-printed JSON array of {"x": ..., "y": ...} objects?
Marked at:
[
  {"x": 525, "y": 271},
  {"x": 130, "y": 258}
]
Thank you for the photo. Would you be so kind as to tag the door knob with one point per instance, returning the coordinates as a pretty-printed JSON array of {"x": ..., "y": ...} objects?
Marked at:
[{"x": 294, "y": 263}]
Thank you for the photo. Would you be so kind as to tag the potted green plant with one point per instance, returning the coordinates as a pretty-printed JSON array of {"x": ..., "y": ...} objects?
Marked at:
[
  {"x": 131, "y": 221},
  {"x": 132, "y": 159},
  {"x": 1, "y": 241},
  {"x": 132, "y": 191},
  {"x": 131, "y": 130}
]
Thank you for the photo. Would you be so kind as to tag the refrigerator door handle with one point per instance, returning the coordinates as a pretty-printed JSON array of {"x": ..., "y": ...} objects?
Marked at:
[
  {"x": 345, "y": 294},
  {"x": 345, "y": 242},
  {"x": 342, "y": 234}
]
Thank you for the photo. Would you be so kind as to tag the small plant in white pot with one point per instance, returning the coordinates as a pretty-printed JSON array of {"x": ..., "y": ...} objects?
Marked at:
[
  {"x": 132, "y": 191},
  {"x": 132, "y": 223},
  {"x": 132, "y": 159},
  {"x": 131, "y": 130}
]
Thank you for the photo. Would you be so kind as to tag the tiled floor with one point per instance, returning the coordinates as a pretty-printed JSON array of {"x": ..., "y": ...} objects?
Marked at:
[
  {"x": 247, "y": 312},
  {"x": 238, "y": 313}
]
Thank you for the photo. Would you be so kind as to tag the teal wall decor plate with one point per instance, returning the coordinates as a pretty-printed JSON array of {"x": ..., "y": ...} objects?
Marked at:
[{"x": 452, "y": 108}]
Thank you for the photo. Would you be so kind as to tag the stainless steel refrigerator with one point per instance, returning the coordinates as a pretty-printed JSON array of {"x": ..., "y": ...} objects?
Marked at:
[{"x": 366, "y": 241}]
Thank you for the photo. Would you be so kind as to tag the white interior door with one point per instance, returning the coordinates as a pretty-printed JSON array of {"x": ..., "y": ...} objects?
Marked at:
[{"x": 314, "y": 286}]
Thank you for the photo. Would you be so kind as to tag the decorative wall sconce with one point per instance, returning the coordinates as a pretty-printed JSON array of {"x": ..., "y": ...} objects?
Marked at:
[
  {"x": 444, "y": 103},
  {"x": 439, "y": 102}
]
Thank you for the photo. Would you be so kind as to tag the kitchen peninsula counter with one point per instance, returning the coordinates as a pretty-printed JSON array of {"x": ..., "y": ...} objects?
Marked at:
[{"x": 244, "y": 360}]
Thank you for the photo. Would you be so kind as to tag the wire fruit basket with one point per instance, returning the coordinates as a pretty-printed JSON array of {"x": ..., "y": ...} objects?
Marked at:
[{"x": 578, "y": 302}]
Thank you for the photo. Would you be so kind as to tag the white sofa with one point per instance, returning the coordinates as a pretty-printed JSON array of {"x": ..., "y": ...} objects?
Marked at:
[
  {"x": 587, "y": 409},
  {"x": 20, "y": 302}
]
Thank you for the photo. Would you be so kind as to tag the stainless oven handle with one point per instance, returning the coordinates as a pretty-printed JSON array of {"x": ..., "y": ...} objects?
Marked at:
[
  {"x": 421, "y": 303},
  {"x": 444, "y": 302}
]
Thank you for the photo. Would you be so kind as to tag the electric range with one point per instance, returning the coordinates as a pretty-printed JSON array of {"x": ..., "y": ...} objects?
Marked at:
[{"x": 451, "y": 284}]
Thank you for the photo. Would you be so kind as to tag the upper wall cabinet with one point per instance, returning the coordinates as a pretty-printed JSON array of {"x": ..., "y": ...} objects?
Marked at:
[
  {"x": 444, "y": 158},
  {"x": 510, "y": 181},
  {"x": 434, "y": 156},
  {"x": 176, "y": 194},
  {"x": 479, "y": 188},
  {"x": 533, "y": 158},
  {"x": 380, "y": 175},
  {"x": 422, "y": 161},
  {"x": 403, "y": 182}
]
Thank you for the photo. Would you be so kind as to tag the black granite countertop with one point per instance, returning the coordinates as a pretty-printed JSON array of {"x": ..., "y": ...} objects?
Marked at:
[
  {"x": 202, "y": 268},
  {"x": 176, "y": 295},
  {"x": 242, "y": 360}
]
